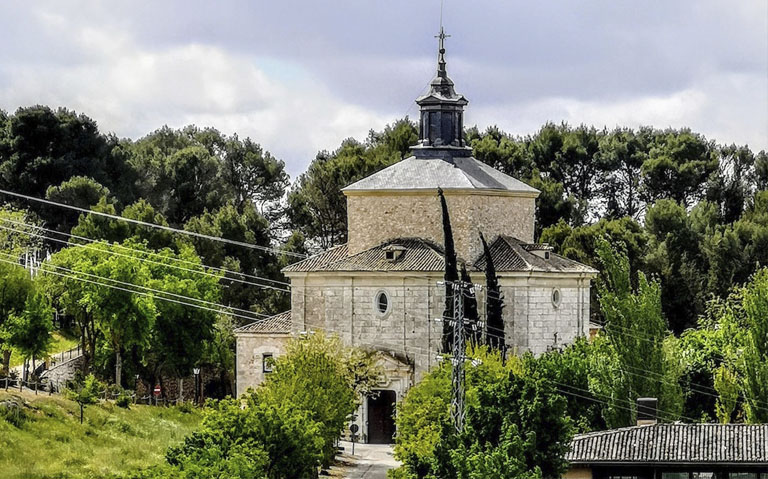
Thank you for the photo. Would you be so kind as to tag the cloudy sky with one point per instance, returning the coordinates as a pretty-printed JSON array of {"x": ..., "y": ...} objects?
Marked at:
[{"x": 300, "y": 76}]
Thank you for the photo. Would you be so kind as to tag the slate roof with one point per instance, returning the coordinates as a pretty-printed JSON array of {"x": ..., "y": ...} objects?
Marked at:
[
  {"x": 449, "y": 172},
  {"x": 673, "y": 444},
  {"x": 277, "y": 324},
  {"x": 509, "y": 254}
]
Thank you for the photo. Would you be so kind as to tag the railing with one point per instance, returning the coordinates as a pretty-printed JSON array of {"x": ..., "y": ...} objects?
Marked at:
[{"x": 65, "y": 356}]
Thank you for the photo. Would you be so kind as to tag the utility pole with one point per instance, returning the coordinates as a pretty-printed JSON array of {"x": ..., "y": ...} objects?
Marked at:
[{"x": 458, "y": 350}]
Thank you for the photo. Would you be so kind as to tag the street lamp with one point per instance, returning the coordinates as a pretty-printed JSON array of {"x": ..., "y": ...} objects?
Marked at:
[{"x": 197, "y": 384}]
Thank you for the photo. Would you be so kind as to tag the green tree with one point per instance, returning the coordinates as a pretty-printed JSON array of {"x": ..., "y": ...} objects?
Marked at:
[
  {"x": 316, "y": 206},
  {"x": 85, "y": 392},
  {"x": 79, "y": 191},
  {"x": 495, "y": 333},
  {"x": 249, "y": 440},
  {"x": 29, "y": 331},
  {"x": 15, "y": 285},
  {"x": 316, "y": 375},
  {"x": 755, "y": 301},
  {"x": 515, "y": 423},
  {"x": 636, "y": 359}
]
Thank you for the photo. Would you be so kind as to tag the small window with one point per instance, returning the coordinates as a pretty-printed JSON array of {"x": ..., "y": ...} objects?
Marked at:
[
  {"x": 390, "y": 255},
  {"x": 556, "y": 297},
  {"x": 381, "y": 303},
  {"x": 267, "y": 362}
]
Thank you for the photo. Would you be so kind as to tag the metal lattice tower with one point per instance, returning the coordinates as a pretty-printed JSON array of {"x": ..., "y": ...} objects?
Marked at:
[{"x": 458, "y": 350}]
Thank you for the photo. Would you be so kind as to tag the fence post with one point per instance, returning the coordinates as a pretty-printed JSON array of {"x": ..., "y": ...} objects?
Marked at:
[
  {"x": 36, "y": 383},
  {"x": 6, "y": 384},
  {"x": 21, "y": 385}
]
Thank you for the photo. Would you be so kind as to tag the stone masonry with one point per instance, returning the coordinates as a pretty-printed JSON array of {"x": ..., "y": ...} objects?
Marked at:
[{"x": 374, "y": 218}]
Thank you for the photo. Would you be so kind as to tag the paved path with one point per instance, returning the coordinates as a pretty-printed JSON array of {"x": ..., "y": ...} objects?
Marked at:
[{"x": 371, "y": 461}]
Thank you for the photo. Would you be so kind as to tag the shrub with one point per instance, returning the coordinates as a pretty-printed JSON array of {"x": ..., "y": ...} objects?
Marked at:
[
  {"x": 12, "y": 411},
  {"x": 123, "y": 400}
]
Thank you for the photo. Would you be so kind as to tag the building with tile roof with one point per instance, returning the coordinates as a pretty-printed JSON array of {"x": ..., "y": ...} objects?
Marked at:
[
  {"x": 379, "y": 290},
  {"x": 672, "y": 451}
]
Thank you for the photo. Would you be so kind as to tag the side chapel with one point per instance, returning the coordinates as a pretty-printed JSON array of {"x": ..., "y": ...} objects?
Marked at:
[{"x": 379, "y": 290}]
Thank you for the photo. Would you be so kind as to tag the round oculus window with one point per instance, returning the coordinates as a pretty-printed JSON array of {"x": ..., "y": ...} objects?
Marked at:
[
  {"x": 556, "y": 297},
  {"x": 381, "y": 303}
]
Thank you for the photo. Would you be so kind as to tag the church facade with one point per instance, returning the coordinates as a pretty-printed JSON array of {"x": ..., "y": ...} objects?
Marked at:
[{"x": 380, "y": 290}]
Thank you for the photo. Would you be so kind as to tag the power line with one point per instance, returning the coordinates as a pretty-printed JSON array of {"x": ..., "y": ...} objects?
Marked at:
[{"x": 154, "y": 225}]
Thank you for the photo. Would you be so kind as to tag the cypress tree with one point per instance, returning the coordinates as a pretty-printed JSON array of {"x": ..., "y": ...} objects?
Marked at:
[
  {"x": 494, "y": 337},
  {"x": 451, "y": 274},
  {"x": 472, "y": 332}
]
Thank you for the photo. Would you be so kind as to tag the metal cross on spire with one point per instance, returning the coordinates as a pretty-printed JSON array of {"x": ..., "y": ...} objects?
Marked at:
[{"x": 441, "y": 55}]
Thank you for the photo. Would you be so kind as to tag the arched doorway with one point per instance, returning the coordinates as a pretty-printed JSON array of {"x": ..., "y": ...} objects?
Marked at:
[{"x": 381, "y": 417}]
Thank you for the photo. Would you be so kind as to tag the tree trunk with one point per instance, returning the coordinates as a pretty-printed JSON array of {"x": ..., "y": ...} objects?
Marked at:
[
  {"x": 81, "y": 413},
  {"x": 33, "y": 364},
  {"x": 7, "y": 362},
  {"x": 181, "y": 390},
  {"x": 118, "y": 367}
]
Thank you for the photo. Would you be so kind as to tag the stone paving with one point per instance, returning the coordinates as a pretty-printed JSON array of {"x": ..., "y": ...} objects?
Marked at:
[{"x": 370, "y": 461}]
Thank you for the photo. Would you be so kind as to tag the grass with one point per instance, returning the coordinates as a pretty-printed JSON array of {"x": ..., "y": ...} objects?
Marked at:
[
  {"x": 112, "y": 441},
  {"x": 60, "y": 343}
]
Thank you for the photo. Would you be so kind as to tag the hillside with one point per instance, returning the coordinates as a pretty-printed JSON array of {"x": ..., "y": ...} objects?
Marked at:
[{"x": 49, "y": 441}]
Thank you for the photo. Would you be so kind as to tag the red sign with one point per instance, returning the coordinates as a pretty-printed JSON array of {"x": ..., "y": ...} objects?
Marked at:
[{"x": 157, "y": 390}]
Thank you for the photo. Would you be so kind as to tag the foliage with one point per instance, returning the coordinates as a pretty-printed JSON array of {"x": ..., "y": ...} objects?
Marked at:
[
  {"x": 451, "y": 276},
  {"x": 29, "y": 331},
  {"x": 495, "y": 334},
  {"x": 316, "y": 206},
  {"x": 257, "y": 439},
  {"x": 636, "y": 361},
  {"x": 15, "y": 286},
  {"x": 515, "y": 424},
  {"x": 85, "y": 392},
  {"x": 755, "y": 302},
  {"x": 319, "y": 375}
]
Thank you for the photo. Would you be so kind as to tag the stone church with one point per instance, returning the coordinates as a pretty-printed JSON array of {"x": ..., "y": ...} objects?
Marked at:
[{"x": 379, "y": 290}]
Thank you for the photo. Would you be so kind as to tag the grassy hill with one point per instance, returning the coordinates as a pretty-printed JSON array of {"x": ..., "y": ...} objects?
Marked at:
[{"x": 49, "y": 442}]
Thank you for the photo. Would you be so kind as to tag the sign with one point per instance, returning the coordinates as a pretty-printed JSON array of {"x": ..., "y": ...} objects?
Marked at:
[
  {"x": 354, "y": 428},
  {"x": 156, "y": 391}
]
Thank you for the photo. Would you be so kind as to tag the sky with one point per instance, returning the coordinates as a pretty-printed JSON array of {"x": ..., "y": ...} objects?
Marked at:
[{"x": 301, "y": 76}]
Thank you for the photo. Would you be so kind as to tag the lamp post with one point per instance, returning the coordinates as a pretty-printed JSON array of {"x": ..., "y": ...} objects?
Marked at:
[{"x": 197, "y": 384}]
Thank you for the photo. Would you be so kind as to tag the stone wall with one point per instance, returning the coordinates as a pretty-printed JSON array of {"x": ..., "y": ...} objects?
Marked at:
[
  {"x": 345, "y": 305},
  {"x": 63, "y": 372},
  {"x": 250, "y": 351},
  {"x": 374, "y": 218}
]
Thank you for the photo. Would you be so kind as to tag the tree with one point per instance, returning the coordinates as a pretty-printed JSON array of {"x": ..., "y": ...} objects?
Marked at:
[
  {"x": 634, "y": 352},
  {"x": 78, "y": 191},
  {"x": 472, "y": 329},
  {"x": 29, "y": 331},
  {"x": 755, "y": 301},
  {"x": 316, "y": 375},
  {"x": 495, "y": 337},
  {"x": 451, "y": 276},
  {"x": 317, "y": 207},
  {"x": 15, "y": 286},
  {"x": 85, "y": 392},
  {"x": 274, "y": 440},
  {"x": 515, "y": 423}
]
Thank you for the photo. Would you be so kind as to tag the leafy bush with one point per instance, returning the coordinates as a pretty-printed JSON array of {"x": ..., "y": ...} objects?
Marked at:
[
  {"x": 12, "y": 411},
  {"x": 124, "y": 400},
  {"x": 515, "y": 424},
  {"x": 85, "y": 392}
]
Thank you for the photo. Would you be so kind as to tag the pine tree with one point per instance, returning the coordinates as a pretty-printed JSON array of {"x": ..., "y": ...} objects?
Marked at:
[
  {"x": 451, "y": 274},
  {"x": 495, "y": 303}
]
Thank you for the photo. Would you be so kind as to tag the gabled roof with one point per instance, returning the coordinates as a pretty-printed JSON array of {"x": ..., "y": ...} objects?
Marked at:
[
  {"x": 509, "y": 255},
  {"x": 447, "y": 172},
  {"x": 673, "y": 444},
  {"x": 277, "y": 324}
]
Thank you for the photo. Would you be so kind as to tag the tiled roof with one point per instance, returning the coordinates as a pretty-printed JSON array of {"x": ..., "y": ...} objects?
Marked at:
[
  {"x": 419, "y": 255},
  {"x": 674, "y": 444},
  {"x": 447, "y": 173},
  {"x": 279, "y": 323},
  {"x": 509, "y": 255}
]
